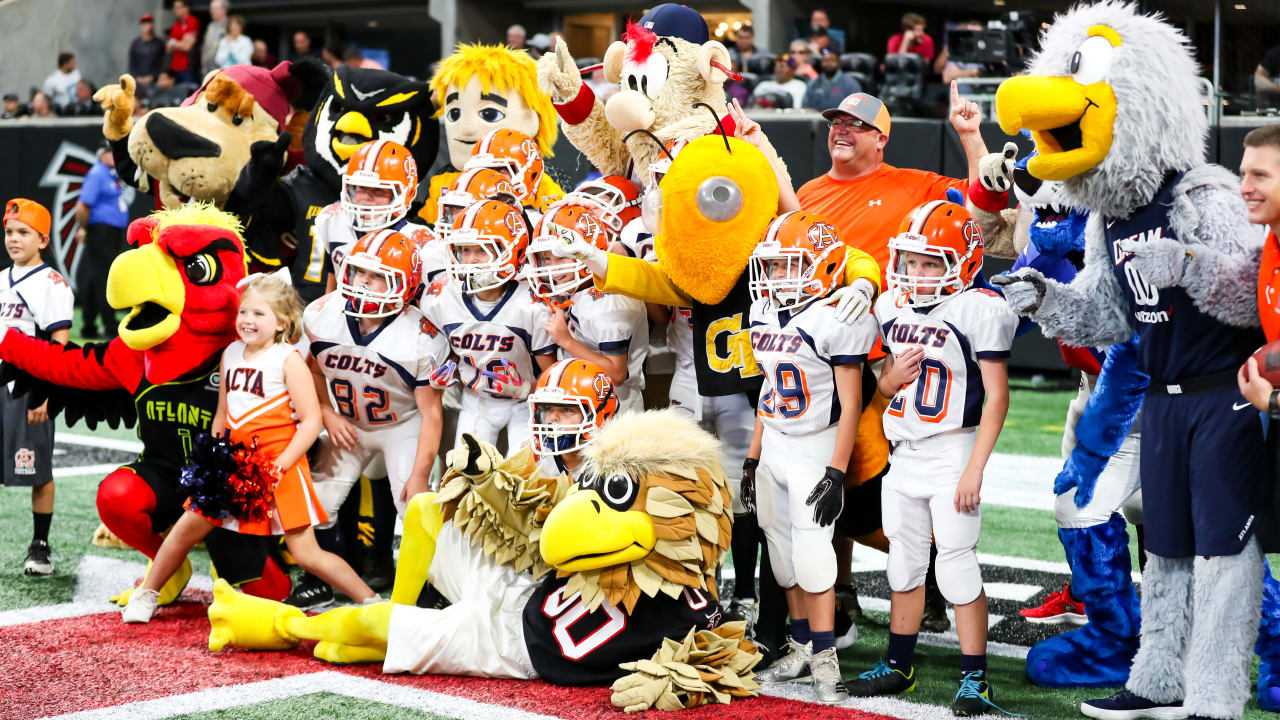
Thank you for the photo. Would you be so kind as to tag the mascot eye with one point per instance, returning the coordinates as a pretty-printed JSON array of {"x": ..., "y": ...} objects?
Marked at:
[
  {"x": 491, "y": 115},
  {"x": 236, "y": 120},
  {"x": 647, "y": 77},
  {"x": 454, "y": 114},
  {"x": 719, "y": 199},
  {"x": 618, "y": 491},
  {"x": 213, "y": 107},
  {"x": 1092, "y": 62},
  {"x": 202, "y": 269}
]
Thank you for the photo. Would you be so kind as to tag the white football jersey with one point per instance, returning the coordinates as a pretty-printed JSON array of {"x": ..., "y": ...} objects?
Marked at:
[
  {"x": 956, "y": 333},
  {"x": 337, "y": 235},
  {"x": 35, "y": 300},
  {"x": 612, "y": 324},
  {"x": 684, "y": 380},
  {"x": 483, "y": 334},
  {"x": 372, "y": 378},
  {"x": 798, "y": 353},
  {"x": 637, "y": 239}
]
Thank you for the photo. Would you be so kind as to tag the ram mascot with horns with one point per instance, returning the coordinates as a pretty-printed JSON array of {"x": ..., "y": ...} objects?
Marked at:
[
  {"x": 626, "y": 556},
  {"x": 1113, "y": 104}
]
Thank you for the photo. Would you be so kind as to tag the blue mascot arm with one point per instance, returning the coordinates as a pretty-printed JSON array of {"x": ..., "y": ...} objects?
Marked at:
[{"x": 1105, "y": 422}]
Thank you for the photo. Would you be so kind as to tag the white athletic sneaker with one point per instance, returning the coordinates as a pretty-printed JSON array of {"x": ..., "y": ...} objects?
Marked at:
[
  {"x": 827, "y": 687},
  {"x": 142, "y": 605},
  {"x": 793, "y": 665}
]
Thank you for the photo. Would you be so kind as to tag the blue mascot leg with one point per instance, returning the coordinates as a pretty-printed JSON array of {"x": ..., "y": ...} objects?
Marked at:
[
  {"x": 1098, "y": 654},
  {"x": 1268, "y": 644}
]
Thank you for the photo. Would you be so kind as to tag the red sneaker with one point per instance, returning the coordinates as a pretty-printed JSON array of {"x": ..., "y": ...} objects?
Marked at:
[{"x": 1058, "y": 609}]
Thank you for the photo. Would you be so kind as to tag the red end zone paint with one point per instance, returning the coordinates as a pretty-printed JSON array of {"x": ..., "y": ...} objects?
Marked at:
[{"x": 91, "y": 662}]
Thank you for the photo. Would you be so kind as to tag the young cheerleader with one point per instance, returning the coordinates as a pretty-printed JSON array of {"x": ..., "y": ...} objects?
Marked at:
[{"x": 267, "y": 395}]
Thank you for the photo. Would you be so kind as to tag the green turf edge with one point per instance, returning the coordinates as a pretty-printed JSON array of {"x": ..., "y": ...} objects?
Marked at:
[{"x": 316, "y": 705}]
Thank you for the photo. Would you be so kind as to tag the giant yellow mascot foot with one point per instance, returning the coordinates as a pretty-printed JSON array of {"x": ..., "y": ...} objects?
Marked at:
[
  {"x": 168, "y": 593},
  {"x": 346, "y": 635}
]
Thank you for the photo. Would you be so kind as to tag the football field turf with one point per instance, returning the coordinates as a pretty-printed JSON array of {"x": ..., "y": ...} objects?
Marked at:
[{"x": 72, "y": 655}]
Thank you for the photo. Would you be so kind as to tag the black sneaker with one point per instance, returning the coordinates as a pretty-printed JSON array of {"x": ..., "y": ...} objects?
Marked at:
[
  {"x": 974, "y": 695},
  {"x": 882, "y": 680},
  {"x": 381, "y": 574},
  {"x": 935, "y": 611},
  {"x": 1124, "y": 705},
  {"x": 38, "y": 561},
  {"x": 848, "y": 612},
  {"x": 310, "y": 593}
]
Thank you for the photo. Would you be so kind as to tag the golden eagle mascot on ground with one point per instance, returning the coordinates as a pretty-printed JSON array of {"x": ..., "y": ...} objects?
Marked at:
[{"x": 626, "y": 556}]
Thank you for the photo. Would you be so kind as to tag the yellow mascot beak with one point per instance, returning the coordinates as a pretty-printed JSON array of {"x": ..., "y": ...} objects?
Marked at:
[
  {"x": 584, "y": 533},
  {"x": 147, "y": 280},
  {"x": 351, "y": 123},
  {"x": 1072, "y": 124}
]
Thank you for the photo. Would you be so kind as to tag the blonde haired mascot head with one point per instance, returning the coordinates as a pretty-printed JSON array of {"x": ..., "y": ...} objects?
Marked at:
[{"x": 481, "y": 88}]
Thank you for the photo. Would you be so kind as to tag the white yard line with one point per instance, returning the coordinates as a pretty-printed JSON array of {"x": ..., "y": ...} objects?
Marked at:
[
  {"x": 233, "y": 696},
  {"x": 100, "y": 442},
  {"x": 77, "y": 470}
]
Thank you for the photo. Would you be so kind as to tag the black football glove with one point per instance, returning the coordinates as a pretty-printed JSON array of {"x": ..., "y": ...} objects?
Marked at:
[
  {"x": 827, "y": 497},
  {"x": 748, "y": 490}
]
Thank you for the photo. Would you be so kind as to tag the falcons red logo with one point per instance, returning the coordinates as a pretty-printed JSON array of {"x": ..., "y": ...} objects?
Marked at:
[{"x": 65, "y": 174}]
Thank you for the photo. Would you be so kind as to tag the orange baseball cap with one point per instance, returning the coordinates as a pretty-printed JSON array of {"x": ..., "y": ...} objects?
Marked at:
[
  {"x": 865, "y": 108},
  {"x": 30, "y": 212}
]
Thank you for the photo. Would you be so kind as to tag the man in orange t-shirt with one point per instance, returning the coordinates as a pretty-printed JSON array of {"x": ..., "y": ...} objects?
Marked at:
[{"x": 867, "y": 199}]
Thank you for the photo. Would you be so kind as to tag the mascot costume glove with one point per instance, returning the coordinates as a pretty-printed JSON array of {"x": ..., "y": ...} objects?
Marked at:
[{"x": 1135, "y": 161}]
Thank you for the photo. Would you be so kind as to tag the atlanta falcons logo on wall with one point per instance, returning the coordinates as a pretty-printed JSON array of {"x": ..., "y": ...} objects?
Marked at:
[{"x": 65, "y": 174}]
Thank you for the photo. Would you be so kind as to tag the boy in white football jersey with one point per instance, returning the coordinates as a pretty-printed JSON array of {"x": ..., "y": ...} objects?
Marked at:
[
  {"x": 572, "y": 401},
  {"x": 373, "y": 355},
  {"x": 805, "y": 427},
  {"x": 608, "y": 330},
  {"x": 948, "y": 346},
  {"x": 494, "y": 326},
  {"x": 34, "y": 300},
  {"x": 378, "y": 186}
]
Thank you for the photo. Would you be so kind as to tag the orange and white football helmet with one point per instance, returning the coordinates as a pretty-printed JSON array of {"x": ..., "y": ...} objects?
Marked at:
[
  {"x": 379, "y": 165},
  {"x": 800, "y": 260},
  {"x": 486, "y": 245},
  {"x": 550, "y": 276},
  {"x": 514, "y": 154},
  {"x": 469, "y": 187},
  {"x": 572, "y": 383},
  {"x": 613, "y": 199},
  {"x": 381, "y": 275},
  {"x": 651, "y": 203},
  {"x": 943, "y": 230}
]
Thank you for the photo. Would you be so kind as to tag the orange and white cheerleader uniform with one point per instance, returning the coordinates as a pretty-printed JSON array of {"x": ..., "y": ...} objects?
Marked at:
[{"x": 258, "y": 407}]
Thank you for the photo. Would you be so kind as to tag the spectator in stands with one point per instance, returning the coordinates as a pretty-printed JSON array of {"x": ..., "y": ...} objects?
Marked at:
[
  {"x": 820, "y": 41},
  {"x": 831, "y": 86},
  {"x": 182, "y": 40},
  {"x": 801, "y": 51},
  {"x": 41, "y": 107},
  {"x": 146, "y": 52},
  {"x": 302, "y": 46},
  {"x": 864, "y": 197},
  {"x": 1266, "y": 79},
  {"x": 83, "y": 105},
  {"x": 913, "y": 38},
  {"x": 235, "y": 48},
  {"x": 739, "y": 90},
  {"x": 165, "y": 92},
  {"x": 539, "y": 45},
  {"x": 262, "y": 57},
  {"x": 332, "y": 54},
  {"x": 60, "y": 87},
  {"x": 354, "y": 57},
  {"x": 784, "y": 81},
  {"x": 819, "y": 19},
  {"x": 218, "y": 28},
  {"x": 955, "y": 70},
  {"x": 102, "y": 214},
  {"x": 13, "y": 107},
  {"x": 515, "y": 37},
  {"x": 744, "y": 46}
]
